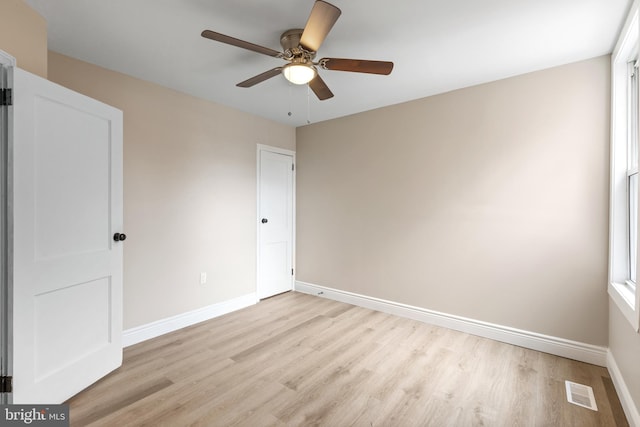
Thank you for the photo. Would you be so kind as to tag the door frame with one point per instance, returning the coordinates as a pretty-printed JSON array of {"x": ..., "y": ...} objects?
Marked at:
[
  {"x": 7, "y": 62},
  {"x": 259, "y": 149}
]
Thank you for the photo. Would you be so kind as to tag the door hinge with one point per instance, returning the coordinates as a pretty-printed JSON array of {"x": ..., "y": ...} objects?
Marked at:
[
  {"x": 292, "y": 271},
  {"x": 6, "y": 97},
  {"x": 6, "y": 384},
  {"x": 293, "y": 167}
]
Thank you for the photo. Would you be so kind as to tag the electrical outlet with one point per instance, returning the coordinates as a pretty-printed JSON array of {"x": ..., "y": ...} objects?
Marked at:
[{"x": 203, "y": 278}]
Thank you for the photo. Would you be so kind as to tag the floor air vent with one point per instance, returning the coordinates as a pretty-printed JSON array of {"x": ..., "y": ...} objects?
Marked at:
[{"x": 581, "y": 395}]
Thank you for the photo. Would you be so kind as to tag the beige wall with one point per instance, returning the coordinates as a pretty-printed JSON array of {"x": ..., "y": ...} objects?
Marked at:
[
  {"x": 489, "y": 202},
  {"x": 624, "y": 344},
  {"x": 23, "y": 34},
  {"x": 189, "y": 191}
]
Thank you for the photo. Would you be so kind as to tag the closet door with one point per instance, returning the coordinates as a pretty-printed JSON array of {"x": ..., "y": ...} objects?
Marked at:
[{"x": 275, "y": 222}]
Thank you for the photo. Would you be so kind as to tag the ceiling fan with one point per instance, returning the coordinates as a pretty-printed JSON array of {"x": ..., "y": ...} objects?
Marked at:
[{"x": 300, "y": 47}]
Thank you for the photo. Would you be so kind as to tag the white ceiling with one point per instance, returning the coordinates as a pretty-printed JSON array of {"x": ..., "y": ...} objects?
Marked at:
[{"x": 436, "y": 45}]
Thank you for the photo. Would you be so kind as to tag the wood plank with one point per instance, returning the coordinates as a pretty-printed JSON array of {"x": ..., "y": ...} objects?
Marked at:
[{"x": 296, "y": 359}]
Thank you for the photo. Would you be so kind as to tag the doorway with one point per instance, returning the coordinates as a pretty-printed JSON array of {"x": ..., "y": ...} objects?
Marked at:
[{"x": 276, "y": 221}]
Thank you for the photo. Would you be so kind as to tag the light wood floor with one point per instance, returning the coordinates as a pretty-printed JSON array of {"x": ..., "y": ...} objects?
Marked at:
[{"x": 300, "y": 360}]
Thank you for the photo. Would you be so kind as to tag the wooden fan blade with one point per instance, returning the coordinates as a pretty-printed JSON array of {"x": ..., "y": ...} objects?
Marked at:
[
  {"x": 357, "y": 65},
  {"x": 260, "y": 77},
  {"x": 320, "y": 88},
  {"x": 323, "y": 16},
  {"x": 240, "y": 43}
]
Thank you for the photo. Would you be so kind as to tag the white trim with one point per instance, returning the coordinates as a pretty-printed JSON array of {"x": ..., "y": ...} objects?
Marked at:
[
  {"x": 623, "y": 297},
  {"x": 6, "y": 306},
  {"x": 7, "y": 60},
  {"x": 160, "y": 327},
  {"x": 278, "y": 150},
  {"x": 261, "y": 147},
  {"x": 629, "y": 407},
  {"x": 628, "y": 304},
  {"x": 583, "y": 352}
]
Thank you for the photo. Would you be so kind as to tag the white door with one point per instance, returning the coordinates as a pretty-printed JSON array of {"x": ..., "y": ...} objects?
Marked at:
[
  {"x": 275, "y": 222},
  {"x": 67, "y": 268}
]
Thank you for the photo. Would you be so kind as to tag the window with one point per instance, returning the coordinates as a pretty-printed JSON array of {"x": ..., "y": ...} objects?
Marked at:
[
  {"x": 632, "y": 163},
  {"x": 633, "y": 226},
  {"x": 625, "y": 113}
]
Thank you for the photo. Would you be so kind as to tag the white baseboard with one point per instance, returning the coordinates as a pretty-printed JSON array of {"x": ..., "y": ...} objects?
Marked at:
[
  {"x": 630, "y": 409},
  {"x": 588, "y": 353},
  {"x": 154, "y": 329}
]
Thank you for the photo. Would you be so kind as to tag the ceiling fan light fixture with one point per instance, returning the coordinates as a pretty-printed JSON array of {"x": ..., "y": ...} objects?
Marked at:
[{"x": 299, "y": 74}]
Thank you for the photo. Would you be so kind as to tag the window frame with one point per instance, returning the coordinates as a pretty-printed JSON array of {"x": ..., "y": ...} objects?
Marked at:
[{"x": 621, "y": 289}]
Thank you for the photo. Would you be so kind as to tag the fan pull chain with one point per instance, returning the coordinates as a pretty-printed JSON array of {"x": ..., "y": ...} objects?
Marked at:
[
  {"x": 290, "y": 97},
  {"x": 308, "y": 103}
]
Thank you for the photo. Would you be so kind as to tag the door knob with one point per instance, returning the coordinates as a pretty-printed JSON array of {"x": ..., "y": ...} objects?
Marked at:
[
  {"x": 265, "y": 220},
  {"x": 118, "y": 237}
]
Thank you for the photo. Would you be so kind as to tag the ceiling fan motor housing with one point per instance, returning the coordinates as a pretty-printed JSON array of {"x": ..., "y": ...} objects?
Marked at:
[
  {"x": 291, "y": 38},
  {"x": 290, "y": 42}
]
